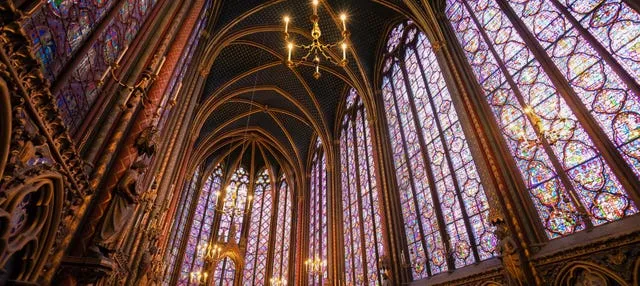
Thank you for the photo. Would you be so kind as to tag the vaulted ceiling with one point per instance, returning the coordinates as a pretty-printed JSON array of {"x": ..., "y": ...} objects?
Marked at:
[{"x": 249, "y": 87}]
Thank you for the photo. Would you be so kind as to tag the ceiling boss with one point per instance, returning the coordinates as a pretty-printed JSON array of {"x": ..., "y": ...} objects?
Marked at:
[{"x": 316, "y": 49}]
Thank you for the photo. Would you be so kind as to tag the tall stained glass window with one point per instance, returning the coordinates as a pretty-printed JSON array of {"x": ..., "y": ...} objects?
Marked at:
[
  {"x": 562, "y": 80},
  {"x": 363, "y": 243},
  {"x": 177, "y": 232},
  {"x": 444, "y": 207},
  {"x": 255, "y": 269},
  {"x": 59, "y": 28},
  {"x": 318, "y": 210},
  {"x": 235, "y": 200},
  {"x": 282, "y": 237},
  {"x": 201, "y": 224},
  {"x": 225, "y": 272}
]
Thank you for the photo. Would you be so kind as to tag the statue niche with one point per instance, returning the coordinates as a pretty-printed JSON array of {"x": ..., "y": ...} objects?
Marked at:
[{"x": 121, "y": 210}]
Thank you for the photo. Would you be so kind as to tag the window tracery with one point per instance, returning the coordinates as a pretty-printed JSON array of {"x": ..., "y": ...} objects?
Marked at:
[
  {"x": 363, "y": 243},
  {"x": 235, "y": 194},
  {"x": 225, "y": 272},
  {"x": 318, "y": 209},
  {"x": 444, "y": 207},
  {"x": 283, "y": 230},
  {"x": 59, "y": 28},
  {"x": 255, "y": 265},
  {"x": 179, "y": 224},
  {"x": 561, "y": 81},
  {"x": 201, "y": 224}
]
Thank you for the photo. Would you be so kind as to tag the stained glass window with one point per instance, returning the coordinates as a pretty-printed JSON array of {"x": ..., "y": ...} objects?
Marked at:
[
  {"x": 282, "y": 237},
  {"x": 234, "y": 204},
  {"x": 318, "y": 210},
  {"x": 225, "y": 272},
  {"x": 561, "y": 78},
  {"x": 255, "y": 269},
  {"x": 201, "y": 224},
  {"x": 177, "y": 232},
  {"x": 444, "y": 207},
  {"x": 363, "y": 243},
  {"x": 59, "y": 28}
]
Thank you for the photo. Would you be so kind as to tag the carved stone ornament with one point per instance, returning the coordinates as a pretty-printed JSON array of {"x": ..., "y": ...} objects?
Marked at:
[
  {"x": 508, "y": 254},
  {"x": 31, "y": 211},
  {"x": 611, "y": 261},
  {"x": 147, "y": 141},
  {"x": 42, "y": 182}
]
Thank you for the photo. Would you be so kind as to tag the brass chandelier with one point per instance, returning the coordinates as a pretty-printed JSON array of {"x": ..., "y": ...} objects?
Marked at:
[{"x": 316, "y": 48}]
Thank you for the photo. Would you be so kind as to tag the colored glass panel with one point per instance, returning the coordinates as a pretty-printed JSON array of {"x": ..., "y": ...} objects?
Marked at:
[
  {"x": 441, "y": 191},
  {"x": 235, "y": 201},
  {"x": 362, "y": 223},
  {"x": 224, "y": 274},
  {"x": 254, "y": 272},
  {"x": 553, "y": 152},
  {"x": 318, "y": 211},
  {"x": 283, "y": 231},
  {"x": 59, "y": 28}
]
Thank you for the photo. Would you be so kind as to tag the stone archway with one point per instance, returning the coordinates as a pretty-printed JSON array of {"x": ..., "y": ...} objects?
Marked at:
[
  {"x": 33, "y": 213},
  {"x": 5, "y": 125},
  {"x": 586, "y": 273}
]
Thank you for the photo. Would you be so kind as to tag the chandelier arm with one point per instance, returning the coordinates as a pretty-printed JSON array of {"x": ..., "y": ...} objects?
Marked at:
[
  {"x": 306, "y": 56},
  {"x": 329, "y": 58}
]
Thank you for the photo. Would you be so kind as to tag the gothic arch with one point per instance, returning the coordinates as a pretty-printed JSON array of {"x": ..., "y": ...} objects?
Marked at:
[
  {"x": 34, "y": 208},
  {"x": 582, "y": 273},
  {"x": 5, "y": 125}
]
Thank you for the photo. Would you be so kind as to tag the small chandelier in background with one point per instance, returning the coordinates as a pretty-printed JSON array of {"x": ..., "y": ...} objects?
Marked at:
[
  {"x": 316, "y": 48},
  {"x": 235, "y": 208},
  {"x": 278, "y": 281},
  {"x": 316, "y": 266}
]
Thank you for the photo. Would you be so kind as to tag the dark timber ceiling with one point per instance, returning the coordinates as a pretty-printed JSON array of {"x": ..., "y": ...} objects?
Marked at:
[{"x": 248, "y": 83}]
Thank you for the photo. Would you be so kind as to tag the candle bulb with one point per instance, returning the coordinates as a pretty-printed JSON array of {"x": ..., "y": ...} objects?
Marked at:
[
  {"x": 344, "y": 51},
  {"x": 315, "y": 7},
  {"x": 104, "y": 75},
  {"x": 290, "y": 46},
  {"x": 126, "y": 48},
  {"x": 286, "y": 24},
  {"x": 343, "y": 17}
]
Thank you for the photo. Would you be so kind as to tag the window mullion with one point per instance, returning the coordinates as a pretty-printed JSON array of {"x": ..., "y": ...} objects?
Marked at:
[
  {"x": 356, "y": 162},
  {"x": 202, "y": 222},
  {"x": 445, "y": 146},
  {"x": 543, "y": 141},
  {"x": 607, "y": 148},
  {"x": 282, "y": 238},
  {"x": 370, "y": 196},
  {"x": 430, "y": 177},
  {"x": 602, "y": 51},
  {"x": 273, "y": 221},
  {"x": 348, "y": 206},
  {"x": 411, "y": 177}
]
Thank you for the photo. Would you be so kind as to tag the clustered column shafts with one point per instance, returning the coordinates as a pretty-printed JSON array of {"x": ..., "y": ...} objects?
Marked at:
[{"x": 122, "y": 125}]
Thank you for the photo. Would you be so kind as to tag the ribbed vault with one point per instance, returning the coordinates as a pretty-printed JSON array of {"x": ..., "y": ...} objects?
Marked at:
[{"x": 248, "y": 86}]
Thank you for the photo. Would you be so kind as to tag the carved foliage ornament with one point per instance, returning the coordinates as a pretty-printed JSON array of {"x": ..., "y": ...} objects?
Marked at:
[{"x": 40, "y": 198}]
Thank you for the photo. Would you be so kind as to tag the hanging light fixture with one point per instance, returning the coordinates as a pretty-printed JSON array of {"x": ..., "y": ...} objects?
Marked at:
[
  {"x": 235, "y": 208},
  {"x": 316, "y": 266},
  {"x": 316, "y": 50}
]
